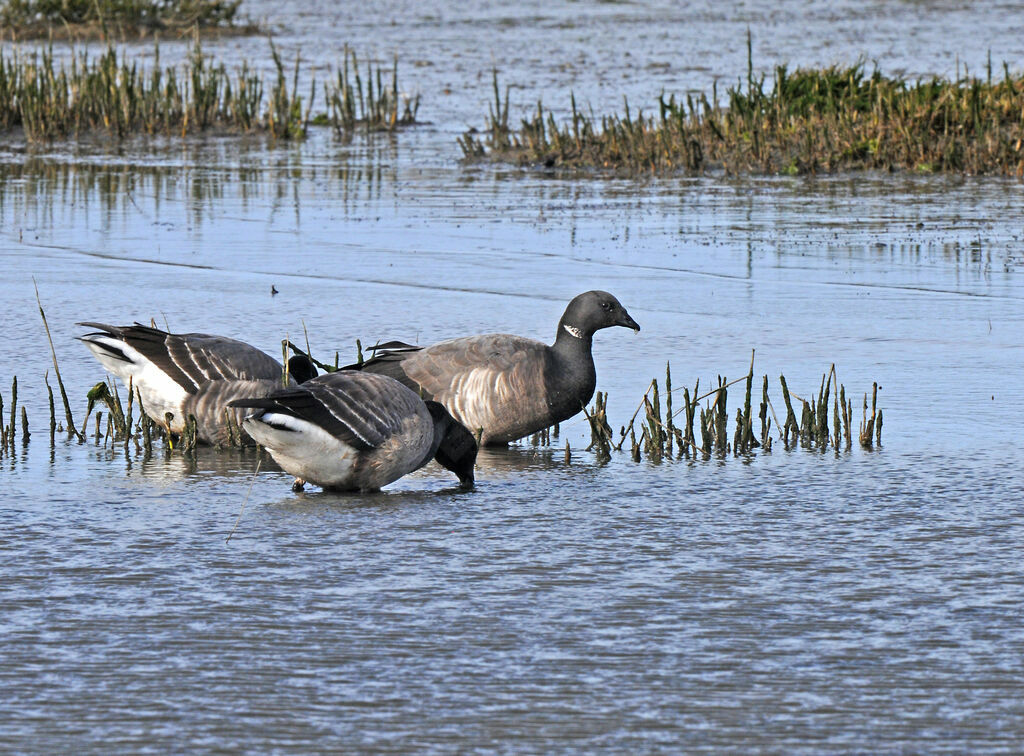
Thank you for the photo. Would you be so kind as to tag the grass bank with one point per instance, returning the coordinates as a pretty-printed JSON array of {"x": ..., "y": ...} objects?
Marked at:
[
  {"x": 118, "y": 19},
  {"x": 799, "y": 122},
  {"x": 46, "y": 100}
]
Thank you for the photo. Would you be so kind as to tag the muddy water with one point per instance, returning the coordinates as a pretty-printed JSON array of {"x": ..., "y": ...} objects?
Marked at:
[{"x": 792, "y": 602}]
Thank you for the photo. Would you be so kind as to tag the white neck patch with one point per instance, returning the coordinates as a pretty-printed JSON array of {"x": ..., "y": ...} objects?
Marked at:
[{"x": 573, "y": 331}]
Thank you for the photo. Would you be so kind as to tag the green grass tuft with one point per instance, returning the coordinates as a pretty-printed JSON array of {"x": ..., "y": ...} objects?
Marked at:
[
  {"x": 112, "y": 94},
  {"x": 804, "y": 121},
  {"x": 27, "y": 19}
]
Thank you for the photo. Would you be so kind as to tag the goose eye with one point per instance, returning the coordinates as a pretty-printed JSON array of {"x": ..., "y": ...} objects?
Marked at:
[{"x": 606, "y": 305}]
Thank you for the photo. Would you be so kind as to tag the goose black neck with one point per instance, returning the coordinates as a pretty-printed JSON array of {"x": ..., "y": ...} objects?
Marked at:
[{"x": 572, "y": 340}]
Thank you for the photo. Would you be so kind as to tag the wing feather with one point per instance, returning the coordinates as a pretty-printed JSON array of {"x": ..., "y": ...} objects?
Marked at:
[
  {"x": 362, "y": 409},
  {"x": 192, "y": 359},
  {"x": 494, "y": 382}
]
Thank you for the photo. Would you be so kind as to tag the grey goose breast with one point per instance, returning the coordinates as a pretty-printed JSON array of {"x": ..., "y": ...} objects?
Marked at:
[
  {"x": 348, "y": 430},
  {"x": 188, "y": 374},
  {"x": 504, "y": 387}
]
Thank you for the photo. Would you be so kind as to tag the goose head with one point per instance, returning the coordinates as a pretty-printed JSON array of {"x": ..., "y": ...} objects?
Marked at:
[
  {"x": 456, "y": 447},
  {"x": 592, "y": 311},
  {"x": 301, "y": 368}
]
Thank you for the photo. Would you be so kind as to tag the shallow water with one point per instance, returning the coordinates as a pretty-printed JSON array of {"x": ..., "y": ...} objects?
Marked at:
[{"x": 791, "y": 602}]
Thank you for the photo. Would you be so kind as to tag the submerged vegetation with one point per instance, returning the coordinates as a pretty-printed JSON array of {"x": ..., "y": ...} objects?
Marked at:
[
  {"x": 668, "y": 423},
  {"x": 112, "y": 94},
  {"x": 703, "y": 430},
  {"x": 103, "y": 19},
  {"x": 691, "y": 430},
  {"x": 804, "y": 121}
]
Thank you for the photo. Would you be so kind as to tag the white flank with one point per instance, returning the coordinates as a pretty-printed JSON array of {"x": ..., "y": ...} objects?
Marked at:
[
  {"x": 305, "y": 450},
  {"x": 160, "y": 394}
]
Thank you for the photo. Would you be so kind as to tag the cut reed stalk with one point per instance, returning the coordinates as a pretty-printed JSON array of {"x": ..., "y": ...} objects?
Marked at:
[
  {"x": 53, "y": 353},
  {"x": 721, "y": 416},
  {"x": 146, "y": 424},
  {"x": 790, "y": 425},
  {"x": 190, "y": 435},
  {"x": 168, "y": 419},
  {"x": 654, "y": 428},
  {"x": 14, "y": 411},
  {"x": 867, "y": 426},
  {"x": 128, "y": 420},
  {"x": 766, "y": 423},
  {"x": 53, "y": 416},
  {"x": 705, "y": 432},
  {"x": 600, "y": 431},
  {"x": 669, "y": 429}
]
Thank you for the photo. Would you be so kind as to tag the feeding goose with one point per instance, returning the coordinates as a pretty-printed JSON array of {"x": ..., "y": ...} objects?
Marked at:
[
  {"x": 189, "y": 373},
  {"x": 506, "y": 387},
  {"x": 356, "y": 431}
]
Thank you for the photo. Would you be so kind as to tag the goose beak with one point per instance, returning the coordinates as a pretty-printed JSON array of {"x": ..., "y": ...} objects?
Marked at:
[{"x": 627, "y": 322}]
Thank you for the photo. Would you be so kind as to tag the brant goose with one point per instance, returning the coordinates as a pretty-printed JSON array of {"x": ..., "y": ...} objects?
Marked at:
[
  {"x": 190, "y": 373},
  {"x": 354, "y": 431},
  {"x": 505, "y": 387}
]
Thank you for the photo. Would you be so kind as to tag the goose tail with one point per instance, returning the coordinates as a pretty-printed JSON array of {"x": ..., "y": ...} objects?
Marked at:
[{"x": 159, "y": 391}]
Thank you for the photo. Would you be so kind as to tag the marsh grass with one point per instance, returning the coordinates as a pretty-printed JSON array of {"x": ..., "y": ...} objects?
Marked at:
[
  {"x": 111, "y": 94},
  {"x": 114, "y": 95},
  {"x": 798, "y": 122},
  {"x": 372, "y": 104},
  {"x": 118, "y": 19},
  {"x": 701, "y": 427}
]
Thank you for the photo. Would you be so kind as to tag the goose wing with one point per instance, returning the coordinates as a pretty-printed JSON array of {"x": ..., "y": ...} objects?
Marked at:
[
  {"x": 190, "y": 359},
  {"x": 494, "y": 381},
  {"x": 362, "y": 409},
  {"x": 387, "y": 360},
  {"x": 502, "y": 357}
]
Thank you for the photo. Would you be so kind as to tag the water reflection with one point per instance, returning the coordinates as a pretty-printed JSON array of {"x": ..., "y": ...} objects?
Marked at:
[
  {"x": 212, "y": 466},
  {"x": 39, "y": 192}
]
